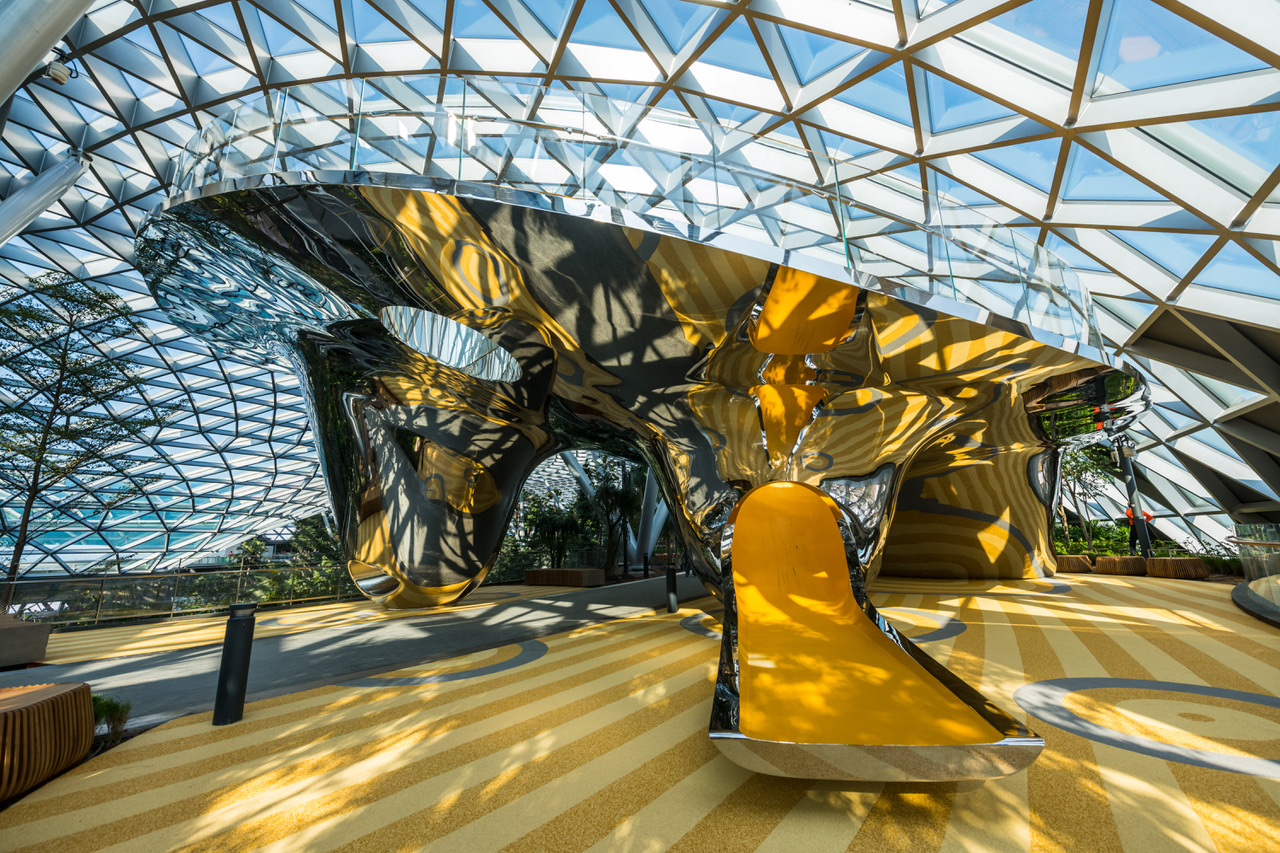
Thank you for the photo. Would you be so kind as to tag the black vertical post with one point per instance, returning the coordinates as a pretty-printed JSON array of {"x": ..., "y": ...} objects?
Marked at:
[
  {"x": 646, "y": 564},
  {"x": 233, "y": 676},
  {"x": 672, "y": 605},
  {"x": 1124, "y": 454}
]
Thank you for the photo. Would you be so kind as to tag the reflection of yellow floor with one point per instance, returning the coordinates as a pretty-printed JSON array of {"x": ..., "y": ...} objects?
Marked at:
[
  {"x": 602, "y": 745},
  {"x": 188, "y": 633}
]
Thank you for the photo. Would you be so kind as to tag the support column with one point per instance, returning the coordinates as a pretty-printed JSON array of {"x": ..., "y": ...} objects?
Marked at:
[
  {"x": 648, "y": 509},
  {"x": 31, "y": 29},
  {"x": 37, "y": 195},
  {"x": 1125, "y": 451}
]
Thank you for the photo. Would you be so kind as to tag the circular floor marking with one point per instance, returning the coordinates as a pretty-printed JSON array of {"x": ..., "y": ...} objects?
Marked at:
[
  {"x": 1046, "y": 700},
  {"x": 694, "y": 624},
  {"x": 945, "y": 627}
]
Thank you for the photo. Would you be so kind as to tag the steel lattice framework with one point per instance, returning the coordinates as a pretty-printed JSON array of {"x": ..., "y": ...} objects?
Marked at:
[{"x": 1137, "y": 139}]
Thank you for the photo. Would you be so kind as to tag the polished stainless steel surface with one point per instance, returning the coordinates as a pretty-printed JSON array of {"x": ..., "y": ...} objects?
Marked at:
[
  {"x": 705, "y": 180},
  {"x": 449, "y": 343}
]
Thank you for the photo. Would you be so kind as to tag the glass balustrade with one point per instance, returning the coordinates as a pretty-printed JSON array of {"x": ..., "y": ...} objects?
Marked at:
[{"x": 702, "y": 178}]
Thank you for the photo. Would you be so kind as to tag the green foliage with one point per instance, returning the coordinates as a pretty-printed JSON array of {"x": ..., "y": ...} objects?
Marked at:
[
  {"x": 1107, "y": 538},
  {"x": 314, "y": 544},
  {"x": 514, "y": 559},
  {"x": 1085, "y": 472},
  {"x": 616, "y": 502},
  {"x": 115, "y": 713},
  {"x": 73, "y": 404},
  {"x": 552, "y": 528},
  {"x": 251, "y": 553}
]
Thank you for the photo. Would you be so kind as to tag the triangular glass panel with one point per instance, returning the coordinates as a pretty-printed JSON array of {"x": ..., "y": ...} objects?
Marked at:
[
  {"x": 1034, "y": 162},
  {"x": 223, "y": 16},
  {"x": 842, "y": 147},
  {"x": 1177, "y": 253},
  {"x": 1255, "y": 136},
  {"x": 732, "y": 114},
  {"x": 203, "y": 60},
  {"x": 952, "y": 190},
  {"x": 282, "y": 41},
  {"x": 736, "y": 47},
  {"x": 1236, "y": 270},
  {"x": 1091, "y": 178},
  {"x": 598, "y": 23},
  {"x": 952, "y": 105},
  {"x": 677, "y": 20},
  {"x": 1073, "y": 255},
  {"x": 371, "y": 26},
  {"x": 1148, "y": 46},
  {"x": 474, "y": 19},
  {"x": 1055, "y": 25},
  {"x": 883, "y": 93},
  {"x": 813, "y": 55},
  {"x": 552, "y": 13}
]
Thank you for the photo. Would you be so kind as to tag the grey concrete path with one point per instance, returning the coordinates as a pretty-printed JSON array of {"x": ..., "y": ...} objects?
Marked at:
[{"x": 169, "y": 684}]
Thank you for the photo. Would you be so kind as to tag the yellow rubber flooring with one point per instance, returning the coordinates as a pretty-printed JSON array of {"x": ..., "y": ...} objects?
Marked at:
[
  {"x": 600, "y": 744},
  {"x": 192, "y": 632}
]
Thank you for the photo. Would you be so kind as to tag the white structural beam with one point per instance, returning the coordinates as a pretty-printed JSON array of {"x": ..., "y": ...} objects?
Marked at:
[
  {"x": 37, "y": 195},
  {"x": 31, "y": 29}
]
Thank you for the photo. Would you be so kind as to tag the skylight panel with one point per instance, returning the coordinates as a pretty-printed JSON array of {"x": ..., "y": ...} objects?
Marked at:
[
  {"x": 736, "y": 47},
  {"x": 812, "y": 55},
  {"x": 1148, "y": 46},
  {"x": 1234, "y": 269},
  {"x": 1177, "y": 253},
  {"x": 678, "y": 20},
  {"x": 1035, "y": 162},
  {"x": 952, "y": 105},
  {"x": 371, "y": 26},
  {"x": 474, "y": 19},
  {"x": 1091, "y": 178},
  {"x": 282, "y": 41},
  {"x": 1054, "y": 25},
  {"x": 883, "y": 93}
]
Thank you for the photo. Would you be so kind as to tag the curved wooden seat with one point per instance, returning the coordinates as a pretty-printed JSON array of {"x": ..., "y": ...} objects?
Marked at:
[
  {"x": 1184, "y": 568},
  {"x": 44, "y": 729},
  {"x": 1121, "y": 566},
  {"x": 1074, "y": 563}
]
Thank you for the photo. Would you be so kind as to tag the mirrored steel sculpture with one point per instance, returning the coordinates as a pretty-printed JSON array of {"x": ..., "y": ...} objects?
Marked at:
[{"x": 810, "y": 427}]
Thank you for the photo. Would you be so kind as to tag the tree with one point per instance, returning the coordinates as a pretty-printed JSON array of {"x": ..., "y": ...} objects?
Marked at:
[
  {"x": 552, "y": 528},
  {"x": 1084, "y": 472},
  {"x": 615, "y": 502},
  {"x": 68, "y": 407},
  {"x": 315, "y": 544}
]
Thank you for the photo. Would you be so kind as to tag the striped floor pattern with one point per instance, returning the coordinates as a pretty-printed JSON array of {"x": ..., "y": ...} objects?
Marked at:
[
  {"x": 193, "y": 632},
  {"x": 595, "y": 740}
]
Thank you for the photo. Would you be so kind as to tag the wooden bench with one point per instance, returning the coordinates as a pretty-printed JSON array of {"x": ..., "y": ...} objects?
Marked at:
[
  {"x": 44, "y": 729},
  {"x": 1077, "y": 563},
  {"x": 1120, "y": 566},
  {"x": 1183, "y": 568},
  {"x": 564, "y": 577}
]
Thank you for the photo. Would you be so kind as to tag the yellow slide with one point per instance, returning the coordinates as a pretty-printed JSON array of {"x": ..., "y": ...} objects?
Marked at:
[{"x": 813, "y": 668}]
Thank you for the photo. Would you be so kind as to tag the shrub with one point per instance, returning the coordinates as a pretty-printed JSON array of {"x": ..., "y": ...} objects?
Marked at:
[{"x": 115, "y": 713}]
